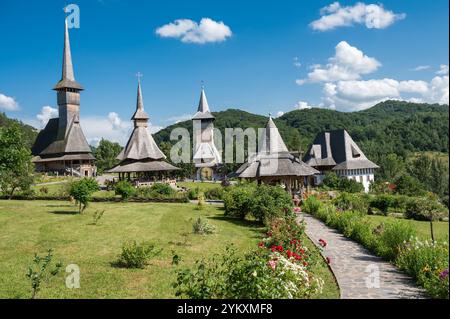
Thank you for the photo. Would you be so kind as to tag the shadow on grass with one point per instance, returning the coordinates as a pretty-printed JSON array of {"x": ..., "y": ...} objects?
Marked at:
[
  {"x": 64, "y": 212},
  {"x": 60, "y": 205},
  {"x": 254, "y": 225}
]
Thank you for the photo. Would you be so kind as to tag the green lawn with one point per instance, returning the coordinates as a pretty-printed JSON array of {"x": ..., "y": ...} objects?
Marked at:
[
  {"x": 29, "y": 227},
  {"x": 422, "y": 228}
]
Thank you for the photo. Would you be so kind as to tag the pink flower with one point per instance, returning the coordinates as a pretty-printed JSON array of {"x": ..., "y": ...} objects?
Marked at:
[{"x": 272, "y": 264}]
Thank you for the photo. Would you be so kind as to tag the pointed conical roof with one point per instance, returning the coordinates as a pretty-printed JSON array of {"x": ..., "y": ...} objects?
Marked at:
[
  {"x": 140, "y": 114},
  {"x": 203, "y": 111},
  {"x": 272, "y": 142},
  {"x": 67, "y": 77},
  {"x": 141, "y": 145}
]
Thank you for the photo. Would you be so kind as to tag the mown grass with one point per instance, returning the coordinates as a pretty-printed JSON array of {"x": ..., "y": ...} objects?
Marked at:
[
  {"x": 29, "y": 227},
  {"x": 202, "y": 186}
]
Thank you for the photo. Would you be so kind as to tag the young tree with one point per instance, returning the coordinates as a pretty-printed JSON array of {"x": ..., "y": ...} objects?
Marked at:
[
  {"x": 82, "y": 191},
  {"x": 16, "y": 168},
  {"x": 105, "y": 154},
  {"x": 392, "y": 166}
]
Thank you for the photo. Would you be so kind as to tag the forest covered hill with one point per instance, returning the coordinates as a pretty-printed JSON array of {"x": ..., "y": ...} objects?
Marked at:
[{"x": 388, "y": 127}]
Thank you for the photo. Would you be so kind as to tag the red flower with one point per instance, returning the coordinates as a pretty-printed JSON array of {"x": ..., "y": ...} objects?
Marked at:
[
  {"x": 328, "y": 260},
  {"x": 322, "y": 242},
  {"x": 269, "y": 233},
  {"x": 273, "y": 248},
  {"x": 261, "y": 245},
  {"x": 289, "y": 253},
  {"x": 280, "y": 248},
  {"x": 305, "y": 264}
]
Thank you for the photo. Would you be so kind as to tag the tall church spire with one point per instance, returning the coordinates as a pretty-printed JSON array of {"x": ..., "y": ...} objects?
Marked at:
[
  {"x": 203, "y": 111},
  {"x": 139, "y": 114},
  {"x": 67, "y": 77}
]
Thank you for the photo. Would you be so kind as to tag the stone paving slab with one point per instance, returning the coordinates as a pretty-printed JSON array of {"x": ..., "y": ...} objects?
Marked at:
[{"x": 356, "y": 268}]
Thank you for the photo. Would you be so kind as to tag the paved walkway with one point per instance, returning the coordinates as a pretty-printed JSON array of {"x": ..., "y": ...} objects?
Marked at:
[{"x": 356, "y": 268}]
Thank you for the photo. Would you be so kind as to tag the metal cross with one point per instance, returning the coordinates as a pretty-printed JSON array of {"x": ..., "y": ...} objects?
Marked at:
[{"x": 139, "y": 75}]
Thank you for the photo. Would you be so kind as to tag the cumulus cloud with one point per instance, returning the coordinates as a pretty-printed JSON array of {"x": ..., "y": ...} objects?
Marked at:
[
  {"x": 373, "y": 16},
  {"x": 443, "y": 70},
  {"x": 302, "y": 105},
  {"x": 348, "y": 63},
  {"x": 280, "y": 113},
  {"x": 358, "y": 95},
  {"x": 47, "y": 113},
  {"x": 8, "y": 103},
  {"x": 189, "y": 31}
]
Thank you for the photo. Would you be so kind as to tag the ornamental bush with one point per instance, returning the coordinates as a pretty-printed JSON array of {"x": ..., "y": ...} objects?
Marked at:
[
  {"x": 353, "y": 202},
  {"x": 136, "y": 255},
  {"x": 238, "y": 200},
  {"x": 124, "y": 189},
  {"x": 202, "y": 227},
  {"x": 311, "y": 205},
  {"x": 424, "y": 208},
  {"x": 162, "y": 189},
  {"x": 270, "y": 202}
]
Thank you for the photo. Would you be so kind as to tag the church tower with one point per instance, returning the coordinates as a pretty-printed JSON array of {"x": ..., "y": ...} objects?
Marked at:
[
  {"x": 206, "y": 156},
  {"x": 61, "y": 146},
  {"x": 68, "y": 90}
]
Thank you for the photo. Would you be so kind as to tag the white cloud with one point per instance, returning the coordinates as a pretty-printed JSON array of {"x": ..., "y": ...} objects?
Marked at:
[
  {"x": 301, "y": 105},
  {"x": 280, "y": 113},
  {"x": 443, "y": 69},
  {"x": 47, "y": 113},
  {"x": 190, "y": 31},
  {"x": 359, "y": 95},
  {"x": 179, "y": 118},
  {"x": 421, "y": 68},
  {"x": 373, "y": 16},
  {"x": 8, "y": 103},
  {"x": 348, "y": 63}
]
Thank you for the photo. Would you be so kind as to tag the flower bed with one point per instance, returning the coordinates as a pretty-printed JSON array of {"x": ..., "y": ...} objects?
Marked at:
[
  {"x": 280, "y": 267},
  {"x": 427, "y": 262}
]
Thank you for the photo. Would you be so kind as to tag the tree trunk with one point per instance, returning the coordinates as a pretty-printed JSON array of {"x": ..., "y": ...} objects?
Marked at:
[
  {"x": 12, "y": 193},
  {"x": 432, "y": 230}
]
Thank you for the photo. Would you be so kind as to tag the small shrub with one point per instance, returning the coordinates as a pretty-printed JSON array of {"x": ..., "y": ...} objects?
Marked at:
[
  {"x": 136, "y": 255},
  {"x": 392, "y": 239},
  {"x": 40, "y": 271},
  {"x": 201, "y": 201},
  {"x": 193, "y": 193},
  {"x": 43, "y": 190},
  {"x": 124, "y": 189},
  {"x": 238, "y": 200},
  {"x": 353, "y": 202},
  {"x": 162, "y": 189},
  {"x": 311, "y": 205},
  {"x": 270, "y": 202},
  {"x": 424, "y": 208},
  {"x": 215, "y": 193},
  {"x": 97, "y": 216},
  {"x": 202, "y": 227}
]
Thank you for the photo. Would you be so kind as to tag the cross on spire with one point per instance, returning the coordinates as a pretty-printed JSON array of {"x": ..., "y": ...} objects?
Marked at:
[
  {"x": 139, "y": 75},
  {"x": 203, "y": 84}
]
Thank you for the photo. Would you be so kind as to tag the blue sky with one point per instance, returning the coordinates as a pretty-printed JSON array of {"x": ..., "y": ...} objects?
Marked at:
[{"x": 259, "y": 56}]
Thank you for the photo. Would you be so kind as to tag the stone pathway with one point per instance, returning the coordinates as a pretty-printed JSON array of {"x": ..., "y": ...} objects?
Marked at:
[{"x": 356, "y": 268}]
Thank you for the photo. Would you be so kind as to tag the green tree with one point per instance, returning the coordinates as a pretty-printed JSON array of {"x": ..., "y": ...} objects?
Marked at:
[
  {"x": 408, "y": 185},
  {"x": 392, "y": 166},
  {"x": 16, "y": 168},
  {"x": 105, "y": 154},
  {"x": 82, "y": 191}
]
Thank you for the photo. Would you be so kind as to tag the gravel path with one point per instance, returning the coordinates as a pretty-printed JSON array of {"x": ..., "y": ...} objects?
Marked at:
[{"x": 359, "y": 273}]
